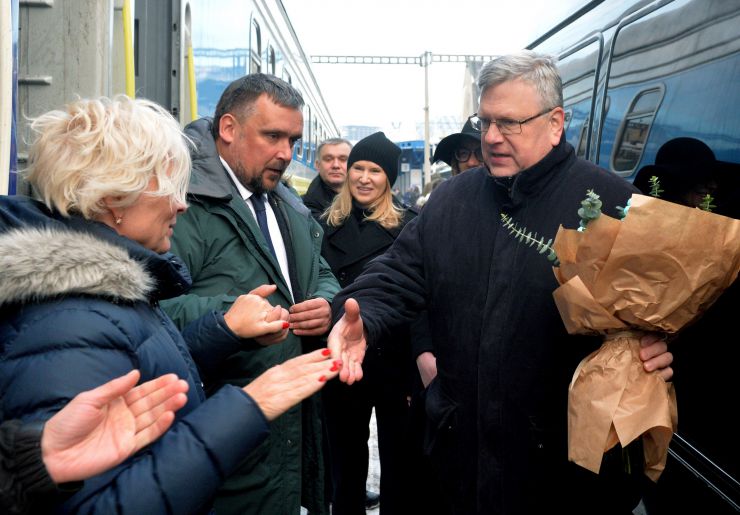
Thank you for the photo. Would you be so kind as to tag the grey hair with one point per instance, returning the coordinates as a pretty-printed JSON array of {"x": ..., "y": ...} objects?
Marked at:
[
  {"x": 538, "y": 69},
  {"x": 239, "y": 97},
  {"x": 332, "y": 141}
]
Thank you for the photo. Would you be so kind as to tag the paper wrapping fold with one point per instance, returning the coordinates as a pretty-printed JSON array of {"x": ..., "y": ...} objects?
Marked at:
[
  {"x": 612, "y": 400},
  {"x": 658, "y": 269}
]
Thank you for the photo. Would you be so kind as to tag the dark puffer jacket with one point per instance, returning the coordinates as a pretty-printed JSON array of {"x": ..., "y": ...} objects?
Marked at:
[{"x": 79, "y": 308}]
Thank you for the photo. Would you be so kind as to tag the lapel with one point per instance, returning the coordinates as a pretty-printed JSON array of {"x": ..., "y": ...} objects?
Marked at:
[
  {"x": 285, "y": 233},
  {"x": 255, "y": 242}
]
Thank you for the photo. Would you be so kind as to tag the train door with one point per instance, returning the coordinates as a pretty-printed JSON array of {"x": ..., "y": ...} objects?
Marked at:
[
  {"x": 580, "y": 67},
  {"x": 158, "y": 52}
]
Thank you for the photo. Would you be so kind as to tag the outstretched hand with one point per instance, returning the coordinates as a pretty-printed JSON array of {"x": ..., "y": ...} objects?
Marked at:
[
  {"x": 100, "y": 428},
  {"x": 283, "y": 386},
  {"x": 347, "y": 342},
  {"x": 252, "y": 316}
]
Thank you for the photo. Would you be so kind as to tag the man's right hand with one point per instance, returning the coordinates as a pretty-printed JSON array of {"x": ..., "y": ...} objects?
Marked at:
[{"x": 347, "y": 342}]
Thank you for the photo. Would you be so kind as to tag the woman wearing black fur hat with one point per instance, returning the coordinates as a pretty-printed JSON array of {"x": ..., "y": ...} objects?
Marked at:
[{"x": 361, "y": 223}]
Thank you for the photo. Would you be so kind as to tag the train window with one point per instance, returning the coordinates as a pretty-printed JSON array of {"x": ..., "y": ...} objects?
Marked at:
[
  {"x": 270, "y": 64},
  {"x": 255, "y": 48},
  {"x": 633, "y": 134}
]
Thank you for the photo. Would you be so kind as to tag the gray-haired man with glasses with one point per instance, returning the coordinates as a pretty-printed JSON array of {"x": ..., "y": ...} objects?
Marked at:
[
  {"x": 504, "y": 125},
  {"x": 498, "y": 406}
]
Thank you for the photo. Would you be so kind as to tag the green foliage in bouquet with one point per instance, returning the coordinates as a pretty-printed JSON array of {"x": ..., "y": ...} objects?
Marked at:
[
  {"x": 655, "y": 190},
  {"x": 706, "y": 203},
  {"x": 530, "y": 239},
  {"x": 590, "y": 209}
]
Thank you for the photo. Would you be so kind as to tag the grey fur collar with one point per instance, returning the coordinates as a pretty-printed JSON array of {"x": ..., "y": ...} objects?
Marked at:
[{"x": 39, "y": 263}]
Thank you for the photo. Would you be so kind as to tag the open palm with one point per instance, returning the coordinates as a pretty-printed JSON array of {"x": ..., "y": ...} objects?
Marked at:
[{"x": 100, "y": 428}]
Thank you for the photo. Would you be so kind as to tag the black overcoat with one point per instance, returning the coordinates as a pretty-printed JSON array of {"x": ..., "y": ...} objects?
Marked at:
[
  {"x": 348, "y": 248},
  {"x": 499, "y": 403},
  {"x": 318, "y": 197}
]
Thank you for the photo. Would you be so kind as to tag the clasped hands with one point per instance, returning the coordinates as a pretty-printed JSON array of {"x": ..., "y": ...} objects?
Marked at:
[{"x": 252, "y": 316}]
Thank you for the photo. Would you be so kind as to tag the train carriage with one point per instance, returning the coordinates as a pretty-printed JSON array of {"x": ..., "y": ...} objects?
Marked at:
[
  {"x": 179, "y": 53},
  {"x": 637, "y": 74}
]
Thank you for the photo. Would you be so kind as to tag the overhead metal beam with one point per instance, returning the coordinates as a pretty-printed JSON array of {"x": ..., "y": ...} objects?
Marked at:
[{"x": 424, "y": 60}]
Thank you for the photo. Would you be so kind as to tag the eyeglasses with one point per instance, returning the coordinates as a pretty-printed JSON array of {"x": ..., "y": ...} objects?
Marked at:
[
  {"x": 504, "y": 125},
  {"x": 462, "y": 154}
]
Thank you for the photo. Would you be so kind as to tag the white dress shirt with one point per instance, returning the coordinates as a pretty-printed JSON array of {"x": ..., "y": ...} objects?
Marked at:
[{"x": 272, "y": 225}]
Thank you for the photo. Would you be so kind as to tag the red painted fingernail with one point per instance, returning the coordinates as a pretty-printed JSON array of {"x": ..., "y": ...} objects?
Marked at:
[
  {"x": 322, "y": 379},
  {"x": 334, "y": 368},
  {"x": 286, "y": 325},
  {"x": 325, "y": 352},
  {"x": 338, "y": 362}
]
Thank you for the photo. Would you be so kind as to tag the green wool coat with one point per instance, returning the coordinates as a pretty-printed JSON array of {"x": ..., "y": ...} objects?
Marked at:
[{"x": 220, "y": 242}]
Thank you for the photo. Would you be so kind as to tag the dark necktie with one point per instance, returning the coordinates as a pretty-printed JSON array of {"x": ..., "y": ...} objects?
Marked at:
[{"x": 259, "y": 210}]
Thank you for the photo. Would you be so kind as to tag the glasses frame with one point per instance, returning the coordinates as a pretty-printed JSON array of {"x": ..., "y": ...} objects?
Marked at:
[
  {"x": 483, "y": 124},
  {"x": 478, "y": 152}
]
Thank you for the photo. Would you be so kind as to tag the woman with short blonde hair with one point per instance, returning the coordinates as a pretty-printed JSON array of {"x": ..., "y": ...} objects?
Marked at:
[
  {"x": 107, "y": 147},
  {"x": 81, "y": 278}
]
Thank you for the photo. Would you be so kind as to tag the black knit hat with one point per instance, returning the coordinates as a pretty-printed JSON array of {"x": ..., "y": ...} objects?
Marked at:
[
  {"x": 379, "y": 150},
  {"x": 446, "y": 149}
]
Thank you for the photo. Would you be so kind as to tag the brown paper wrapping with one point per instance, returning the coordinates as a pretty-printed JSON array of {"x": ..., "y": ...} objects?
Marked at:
[{"x": 658, "y": 269}]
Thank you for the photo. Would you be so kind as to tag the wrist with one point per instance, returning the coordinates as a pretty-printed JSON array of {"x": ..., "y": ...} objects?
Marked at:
[{"x": 31, "y": 459}]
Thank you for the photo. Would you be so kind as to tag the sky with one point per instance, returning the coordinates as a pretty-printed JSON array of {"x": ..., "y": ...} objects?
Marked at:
[{"x": 392, "y": 96}]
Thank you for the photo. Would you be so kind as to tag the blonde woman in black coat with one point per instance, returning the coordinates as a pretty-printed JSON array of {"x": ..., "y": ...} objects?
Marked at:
[{"x": 362, "y": 223}]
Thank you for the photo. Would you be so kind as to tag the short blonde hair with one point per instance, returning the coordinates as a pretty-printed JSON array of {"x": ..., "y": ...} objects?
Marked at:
[
  {"x": 382, "y": 211},
  {"x": 97, "y": 148}
]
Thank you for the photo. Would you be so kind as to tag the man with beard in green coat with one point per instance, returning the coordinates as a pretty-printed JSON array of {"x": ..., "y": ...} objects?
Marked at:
[{"x": 245, "y": 229}]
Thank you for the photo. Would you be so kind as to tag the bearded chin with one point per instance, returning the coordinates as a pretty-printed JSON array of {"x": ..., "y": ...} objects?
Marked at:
[{"x": 256, "y": 185}]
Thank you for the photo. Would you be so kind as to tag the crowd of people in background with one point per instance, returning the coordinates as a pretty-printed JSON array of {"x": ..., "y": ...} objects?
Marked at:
[{"x": 183, "y": 255}]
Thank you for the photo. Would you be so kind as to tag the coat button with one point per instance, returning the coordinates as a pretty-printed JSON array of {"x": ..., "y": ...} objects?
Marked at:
[
  {"x": 316, "y": 234},
  {"x": 342, "y": 276}
]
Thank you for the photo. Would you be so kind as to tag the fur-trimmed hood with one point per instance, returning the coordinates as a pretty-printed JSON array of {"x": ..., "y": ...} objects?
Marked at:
[
  {"x": 44, "y": 254},
  {"x": 39, "y": 263}
]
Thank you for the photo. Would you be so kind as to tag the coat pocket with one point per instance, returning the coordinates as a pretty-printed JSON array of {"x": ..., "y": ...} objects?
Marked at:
[{"x": 441, "y": 427}]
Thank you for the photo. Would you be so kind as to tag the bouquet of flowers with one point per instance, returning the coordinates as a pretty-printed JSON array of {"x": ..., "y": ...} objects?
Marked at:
[{"x": 657, "y": 270}]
